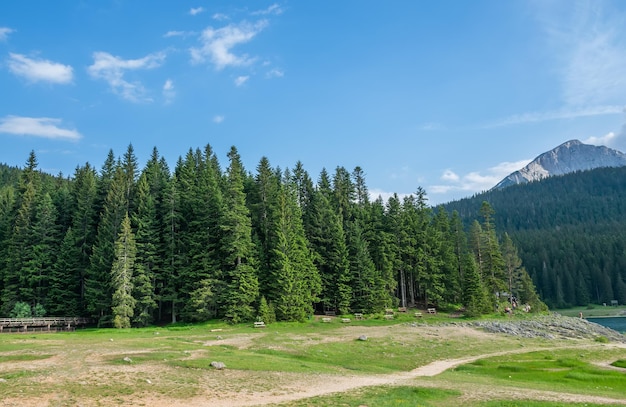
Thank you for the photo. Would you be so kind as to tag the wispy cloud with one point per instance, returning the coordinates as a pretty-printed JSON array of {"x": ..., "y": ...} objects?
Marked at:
[
  {"x": 475, "y": 181},
  {"x": 586, "y": 41},
  {"x": 431, "y": 126},
  {"x": 196, "y": 11},
  {"x": 174, "y": 34},
  {"x": 220, "y": 17},
  {"x": 39, "y": 70},
  {"x": 565, "y": 113},
  {"x": 217, "y": 44},
  {"x": 168, "y": 91},
  {"x": 218, "y": 119},
  {"x": 590, "y": 41},
  {"x": 4, "y": 33},
  {"x": 112, "y": 69},
  {"x": 605, "y": 140},
  {"x": 240, "y": 80},
  {"x": 275, "y": 73},
  {"x": 274, "y": 9},
  {"x": 45, "y": 127},
  {"x": 375, "y": 193}
]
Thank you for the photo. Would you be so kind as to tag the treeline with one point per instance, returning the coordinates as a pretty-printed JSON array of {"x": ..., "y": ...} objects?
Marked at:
[
  {"x": 133, "y": 247},
  {"x": 570, "y": 231}
]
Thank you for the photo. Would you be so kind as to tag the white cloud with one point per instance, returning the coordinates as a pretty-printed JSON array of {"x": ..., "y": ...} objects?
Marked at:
[
  {"x": 449, "y": 175},
  {"x": 174, "y": 34},
  {"x": 196, "y": 11},
  {"x": 217, "y": 44},
  {"x": 4, "y": 33},
  {"x": 591, "y": 42},
  {"x": 565, "y": 113},
  {"x": 475, "y": 181},
  {"x": 275, "y": 73},
  {"x": 274, "y": 9},
  {"x": 38, "y": 127},
  {"x": 432, "y": 127},
  {"x": 605, "y": 140},
  {"x": 112, "y": 69},
  {"x": 168, "y": 91},
  {"x": 218, "y": 119},
  {"x": 240, "y": 80},
  {"x": 220, "y": 17},
  {"x": 375, "y": 193},
  {"x": 39, "y": 70}
]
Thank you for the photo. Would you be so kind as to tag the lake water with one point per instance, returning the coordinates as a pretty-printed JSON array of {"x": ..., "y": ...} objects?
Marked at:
[{"x": 616, "y": 323}]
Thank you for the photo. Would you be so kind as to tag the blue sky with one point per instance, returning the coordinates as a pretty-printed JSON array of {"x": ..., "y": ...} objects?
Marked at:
[{"x": 447, "y": 95}]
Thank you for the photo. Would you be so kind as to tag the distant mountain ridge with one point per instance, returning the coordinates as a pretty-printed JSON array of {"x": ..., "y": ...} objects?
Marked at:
[{"x": 570, "y": 156}]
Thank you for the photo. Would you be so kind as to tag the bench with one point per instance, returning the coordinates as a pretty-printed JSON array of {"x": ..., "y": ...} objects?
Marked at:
[
  {"x": 402, "y": 309},
  {"x": 418, "y": 315},
  {"x": 329, "y": 313},
  {"x": 345, "y": 320},
  {"x": 259, "y": 324},
  {"x": 389, "y": 316},
  {"x": 431, "y": 310},
  {"x": 358, "y": 316},
  {"x": 389, "y": 311},
  {"x": 326, "y": 319}
]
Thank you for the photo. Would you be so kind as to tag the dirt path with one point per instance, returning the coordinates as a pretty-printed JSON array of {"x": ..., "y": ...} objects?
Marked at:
[
  {"x": 325, "y": 384},
  {"x": 234, "y": 388}
]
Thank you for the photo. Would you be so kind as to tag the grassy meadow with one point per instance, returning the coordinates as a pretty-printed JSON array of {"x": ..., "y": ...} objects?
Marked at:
[{"x": 307, "y": 364}]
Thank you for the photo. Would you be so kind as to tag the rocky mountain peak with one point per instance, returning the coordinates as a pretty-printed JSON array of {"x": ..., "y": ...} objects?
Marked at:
[{"x": 571, "y": 156}]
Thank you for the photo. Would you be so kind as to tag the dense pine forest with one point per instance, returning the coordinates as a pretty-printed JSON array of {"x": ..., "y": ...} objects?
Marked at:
[
  {"x": 570, "y": 231},
  {"x": 132, "y": 247}
]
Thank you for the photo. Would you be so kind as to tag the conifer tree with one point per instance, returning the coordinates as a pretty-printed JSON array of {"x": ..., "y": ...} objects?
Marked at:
[
  {"x": 20, "y": 249},
  {"x": 98, "y": 277},
  {"x": 241, "y": 285},
  {"x": 123, "y": 303},
  {"x": 493, "y": 264},
  {"x": 264, "y": 211},
  {"x": 475, "y": 297},
  {"x": 67, "y": 293},
  {"x": 295, "y": 281},
  {"x": 168, "y": 281},
  {"x": 38, "y": 270},
  {"x": 146, "y": 262},
  {"x": 327, "y": 238},
  {"x": 380, "y": 242}
]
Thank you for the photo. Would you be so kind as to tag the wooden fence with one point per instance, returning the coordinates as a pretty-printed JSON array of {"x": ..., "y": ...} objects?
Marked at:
[{"x": 49, "y": 324}]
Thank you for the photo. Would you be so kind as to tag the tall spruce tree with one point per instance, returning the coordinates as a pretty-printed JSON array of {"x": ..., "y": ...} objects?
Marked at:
[
  {"x": 239, "y": 265},
  {"x": 123, "y": 303},
  {"x": 20, "y": 253},
  {"x": 67, "y": 289},
  {"x": 294, "y": 279},
  {"x": 98, "y": 277},
  {"x": 147, "y": 258}
]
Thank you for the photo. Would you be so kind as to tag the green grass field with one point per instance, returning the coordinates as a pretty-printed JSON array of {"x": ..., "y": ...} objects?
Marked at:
[{"x": 306, "y": 364}]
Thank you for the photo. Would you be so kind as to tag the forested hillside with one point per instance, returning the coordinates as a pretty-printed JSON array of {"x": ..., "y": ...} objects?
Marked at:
[
  {"x": 570, "y": 231},
  {"x": 131, "y": 247}
]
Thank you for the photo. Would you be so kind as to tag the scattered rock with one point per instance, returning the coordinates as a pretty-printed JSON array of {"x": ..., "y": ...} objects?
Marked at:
[
  {"x": 111, "y": 339},
  {"x": 363, "y": 337},
  {"x": 3, "y": 380},
  {"x": 148, "y": 381},
  {"x": 218, "y": 365},
  {"x": 550, "y": 326},
  {"x": 127, "y": 360},
  {"x": 219, "y": 337}
]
